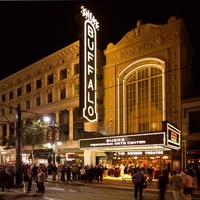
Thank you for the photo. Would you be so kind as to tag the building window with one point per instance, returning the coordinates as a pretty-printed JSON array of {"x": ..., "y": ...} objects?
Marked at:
[
  {"x": 11, "y": 95},
  {"x": 76, "y": 69},
  {"x": 49, "y": 98},
  {"x": 19, "y": 91},
  {"x": 194, "y": 122},
  {"x": 28, "y": 104},
  {"x": 38, "y": 83},
  {"x": 10, "y": 110},
  {"x": 50, "y": 79},
  {"x": 63, "y": 94},
  {"x": 38, "y": 101},
  {"x": 28, "y": 88},
  {"x": 3, "y": 98},
  {"x": 2, "y": 112},
  {"x": 63, "y": 74},
  {"x": 144, "y": 100},
  {"x": 76, "y": 89}
]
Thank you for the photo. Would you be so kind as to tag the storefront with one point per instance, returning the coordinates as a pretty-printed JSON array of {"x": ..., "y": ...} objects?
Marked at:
[{"x": 157, "y": 148}]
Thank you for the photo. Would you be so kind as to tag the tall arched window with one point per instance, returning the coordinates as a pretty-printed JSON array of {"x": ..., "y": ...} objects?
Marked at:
[{"x": 144, "y": 100}]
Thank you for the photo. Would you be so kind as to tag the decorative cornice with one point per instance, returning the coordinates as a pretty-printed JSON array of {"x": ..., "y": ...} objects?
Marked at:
[
  {"x": 143, "y": 38},
  {"x": 68, "y": 53}
]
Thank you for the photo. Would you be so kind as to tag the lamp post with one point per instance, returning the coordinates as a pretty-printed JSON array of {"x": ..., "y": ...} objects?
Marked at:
[
  {"x": 47, "y": 119},
  {"x": 18, "y": 150}
]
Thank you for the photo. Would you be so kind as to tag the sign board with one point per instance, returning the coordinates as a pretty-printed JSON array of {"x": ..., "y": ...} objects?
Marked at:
[
  {"x": 88, "y": 62},
  {"x": 125, "y": 140}
]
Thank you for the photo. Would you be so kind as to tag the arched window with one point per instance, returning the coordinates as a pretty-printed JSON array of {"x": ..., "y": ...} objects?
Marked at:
[
  {"x": 141, "y": 104},
  {"x": 144, "y": 99}
]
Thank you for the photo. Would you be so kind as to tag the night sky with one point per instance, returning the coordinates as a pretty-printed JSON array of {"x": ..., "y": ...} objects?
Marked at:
[{"x": 32, "y": 30}]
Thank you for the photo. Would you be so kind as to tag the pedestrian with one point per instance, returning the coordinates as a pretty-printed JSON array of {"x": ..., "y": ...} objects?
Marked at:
[
  {"x": 162, "y": 185},
  {"x": 30, "y": 179},
  {"x": 150, "y": 173},
  {"x": 34, "y": 171},
  {"x": 188, "y": 182},
  {"x": 82, "y": 172},
  {"x": 99, "y": 173},
  {"x": 138, "y": 179},
  {"x": 41, "y": 179},
  {"x": 75, "y": 171},
  {"x": 54, "y": 170},
  {"x": 176, "y": 183},
  {"x": 145, "y": 182},
  {"x": 26, "y": 180},
  {"x": 122, "y": 167},
  {"x": 198, "y": 177},
  {"x": 68, "y": 172},
  {"x": 62, "y": 172},
  {"x": 3, "y": 178}
]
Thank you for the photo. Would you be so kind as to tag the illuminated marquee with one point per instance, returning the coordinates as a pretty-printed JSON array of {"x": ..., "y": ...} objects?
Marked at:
[
  {"x": 90, "y": 59},
  {"x": 174, "y": 136},
  {"x": 124, "y": 141}
]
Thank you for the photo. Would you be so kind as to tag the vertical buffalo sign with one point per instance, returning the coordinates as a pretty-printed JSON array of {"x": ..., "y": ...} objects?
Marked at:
[{"x": 88, "y": 62}]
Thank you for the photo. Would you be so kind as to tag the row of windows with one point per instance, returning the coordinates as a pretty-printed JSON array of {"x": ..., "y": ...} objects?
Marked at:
[
  {"x": 49, "y": 98},
  {"x": 38, "y": 83}
]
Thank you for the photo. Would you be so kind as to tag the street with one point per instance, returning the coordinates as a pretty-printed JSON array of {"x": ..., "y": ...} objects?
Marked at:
[{"x": 55, "y": 191}]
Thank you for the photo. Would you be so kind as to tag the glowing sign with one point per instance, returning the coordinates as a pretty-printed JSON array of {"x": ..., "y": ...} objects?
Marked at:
[
  {"x": 174, "y": 136},
  {"x": 90, "y": 38},
  {"x": 88, "y": 15},
  {"x": 124, "y": 141}
]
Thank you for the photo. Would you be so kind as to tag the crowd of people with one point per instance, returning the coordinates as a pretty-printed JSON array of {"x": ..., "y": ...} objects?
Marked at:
[
  {"x": 73, "y": 172},
  {"x": 181, "y": 183}
]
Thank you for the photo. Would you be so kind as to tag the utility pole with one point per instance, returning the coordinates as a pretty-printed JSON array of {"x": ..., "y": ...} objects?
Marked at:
[
  {"x": 53, "y": 142},
  {"x": 18, "y": 146}
]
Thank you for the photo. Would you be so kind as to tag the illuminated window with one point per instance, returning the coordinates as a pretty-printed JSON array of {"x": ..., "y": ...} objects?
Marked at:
[
  {"x": 50, "y": 79},
  {"x": 63, "y": 94},
  {"x": 144, "y": 100},
  {"x": 63, "y": 74},
  {"x": 76, "y": 89},
  {"x": 38, "y": 83},
  {"x": 76, "y": 69}
]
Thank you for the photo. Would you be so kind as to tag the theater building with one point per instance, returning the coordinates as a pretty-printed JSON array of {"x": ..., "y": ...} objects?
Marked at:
[
  {"x": 141, "y": 82},
  {"x": 146, "y": 75}
]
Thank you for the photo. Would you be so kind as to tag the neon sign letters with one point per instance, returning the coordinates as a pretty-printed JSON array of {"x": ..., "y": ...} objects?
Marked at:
[{"x": 90, "y": 38}]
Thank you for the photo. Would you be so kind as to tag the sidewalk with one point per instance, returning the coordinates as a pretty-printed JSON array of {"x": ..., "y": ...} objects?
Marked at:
[{"x": 118, "y": 182}]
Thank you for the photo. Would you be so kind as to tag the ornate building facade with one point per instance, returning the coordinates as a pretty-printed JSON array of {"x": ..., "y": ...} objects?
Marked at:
[{"x": 140, "y": 85}]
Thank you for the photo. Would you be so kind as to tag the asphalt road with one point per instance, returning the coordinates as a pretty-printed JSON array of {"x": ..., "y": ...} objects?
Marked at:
[{"x": 107, "y": 190}]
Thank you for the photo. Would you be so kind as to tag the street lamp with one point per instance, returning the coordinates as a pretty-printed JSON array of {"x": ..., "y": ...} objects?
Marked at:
[{"x": 53, "y": 125}]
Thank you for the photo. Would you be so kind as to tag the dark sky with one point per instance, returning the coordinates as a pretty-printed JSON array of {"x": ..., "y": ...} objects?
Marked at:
[{"x": 32, "y": 30}]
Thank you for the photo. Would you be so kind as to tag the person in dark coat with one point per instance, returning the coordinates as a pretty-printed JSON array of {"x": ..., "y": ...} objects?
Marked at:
[
  {"x": 62, "y": 171},
  {"x": 138, "y": 179},
  {"x": 3, "y": 179},
  {"x": 68, "y": 172},
  {"x": 162, "y": 185}
]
